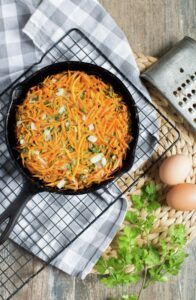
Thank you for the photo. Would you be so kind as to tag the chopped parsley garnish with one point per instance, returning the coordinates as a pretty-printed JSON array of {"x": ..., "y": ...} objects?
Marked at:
[{"x": 82, "y": 95}]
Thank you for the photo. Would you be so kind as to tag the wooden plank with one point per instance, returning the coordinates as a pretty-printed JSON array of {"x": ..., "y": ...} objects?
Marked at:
[
  {"x": 153, "y": 26},
  {"x": 60, "y": 285},
  {"x": 50, "y": 284}
]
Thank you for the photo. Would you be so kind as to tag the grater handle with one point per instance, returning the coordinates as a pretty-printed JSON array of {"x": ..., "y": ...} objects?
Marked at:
[{"x": 13, "y": 211}]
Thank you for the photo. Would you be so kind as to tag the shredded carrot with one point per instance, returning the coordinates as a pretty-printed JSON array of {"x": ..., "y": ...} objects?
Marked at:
[{"x": 72, "y": 130}]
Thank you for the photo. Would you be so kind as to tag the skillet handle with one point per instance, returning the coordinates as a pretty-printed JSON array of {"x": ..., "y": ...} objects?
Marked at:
[{"x": 13, "y": 211}]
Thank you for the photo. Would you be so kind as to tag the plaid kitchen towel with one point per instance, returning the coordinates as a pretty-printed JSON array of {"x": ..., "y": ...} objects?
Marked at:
[{"x": 27, "y": 29}]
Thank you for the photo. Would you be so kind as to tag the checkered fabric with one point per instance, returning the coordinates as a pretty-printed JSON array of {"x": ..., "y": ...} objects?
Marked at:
[{"x": 27, "y": 29}]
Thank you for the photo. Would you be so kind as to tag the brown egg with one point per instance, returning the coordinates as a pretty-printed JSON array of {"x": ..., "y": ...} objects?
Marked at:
[
  {"x": 175, "y": 169},
  {"x": 182, "y": 196}
]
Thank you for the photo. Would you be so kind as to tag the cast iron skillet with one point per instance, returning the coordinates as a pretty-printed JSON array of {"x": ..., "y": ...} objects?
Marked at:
[{"x": 33, "y": 186}]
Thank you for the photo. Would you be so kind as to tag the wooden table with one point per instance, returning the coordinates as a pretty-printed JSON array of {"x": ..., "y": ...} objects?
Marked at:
[{"x": 151, "y": 26}]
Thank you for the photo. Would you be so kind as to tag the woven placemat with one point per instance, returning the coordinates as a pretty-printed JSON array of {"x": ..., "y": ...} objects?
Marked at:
[{"x": 165, "y": 216}]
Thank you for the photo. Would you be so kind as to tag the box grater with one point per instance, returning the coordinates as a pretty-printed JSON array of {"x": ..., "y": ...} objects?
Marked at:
[{"x": 174, "y": 75}]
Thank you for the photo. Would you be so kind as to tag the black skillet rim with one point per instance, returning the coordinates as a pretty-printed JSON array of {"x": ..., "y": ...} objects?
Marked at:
[{"x": 89, "y": 69}]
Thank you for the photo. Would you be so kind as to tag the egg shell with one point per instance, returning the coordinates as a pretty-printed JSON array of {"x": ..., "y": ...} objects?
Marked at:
[
  {"x": 182, "y": 197},
  {"x": 175, "y": 169}
]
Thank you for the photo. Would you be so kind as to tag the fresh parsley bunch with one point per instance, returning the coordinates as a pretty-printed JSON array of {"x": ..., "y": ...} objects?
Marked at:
[{"x": 133, "y": 260}]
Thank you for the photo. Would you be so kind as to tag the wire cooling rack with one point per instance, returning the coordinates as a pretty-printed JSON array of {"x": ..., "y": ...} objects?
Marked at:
[{"x": 50, "y": 222}]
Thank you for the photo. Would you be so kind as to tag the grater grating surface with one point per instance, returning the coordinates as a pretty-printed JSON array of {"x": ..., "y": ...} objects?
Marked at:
[{"x": 174, "y": 75}]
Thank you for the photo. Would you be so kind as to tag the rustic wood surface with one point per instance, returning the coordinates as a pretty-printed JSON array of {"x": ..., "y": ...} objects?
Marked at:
[{"x": 151, "y": 26}]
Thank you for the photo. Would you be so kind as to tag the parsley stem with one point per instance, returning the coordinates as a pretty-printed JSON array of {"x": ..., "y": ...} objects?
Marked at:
[{"x": 143, "y": 283}]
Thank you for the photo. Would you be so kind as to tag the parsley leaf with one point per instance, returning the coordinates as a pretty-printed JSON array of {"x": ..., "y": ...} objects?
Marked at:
[
  {"x": 131, "y": 217},
  {"x": 149, "y": 191},
  {"x": 101, "y": 266},
  {"x": 148, "y": 198},
  {"x": 137, "y": 201},
  {"x": 152, "y": 206},
  {"x": 151, "y": 256},
  {"x": 178, "y": 234}
]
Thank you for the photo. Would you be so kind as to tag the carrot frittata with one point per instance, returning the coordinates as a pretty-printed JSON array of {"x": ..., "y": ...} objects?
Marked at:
[{"x": 72, "y": 130}]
